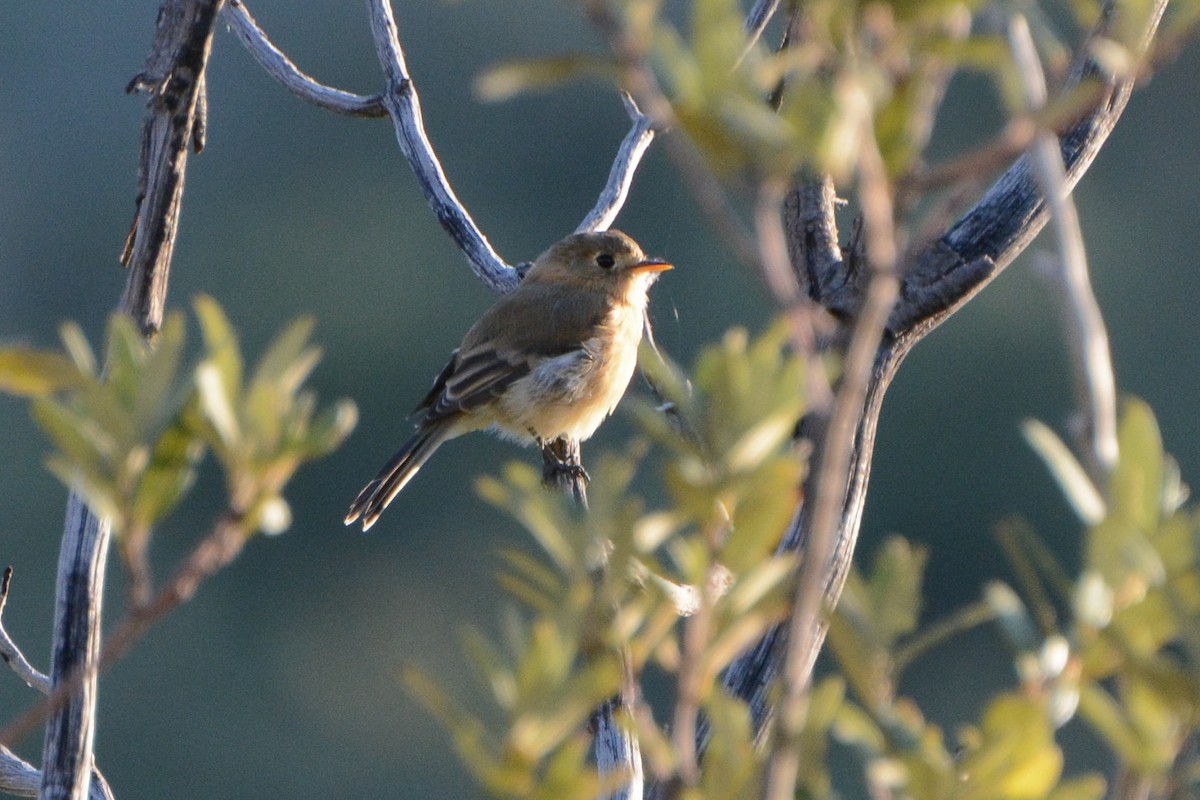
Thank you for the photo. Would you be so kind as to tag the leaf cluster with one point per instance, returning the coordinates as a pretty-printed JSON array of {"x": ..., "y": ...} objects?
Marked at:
[
  {"x": 621, "y": 592},
  {"x": 129, "y": 437}
]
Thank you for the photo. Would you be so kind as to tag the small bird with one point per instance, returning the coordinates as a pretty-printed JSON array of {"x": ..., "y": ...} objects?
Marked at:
[{"x": 551, "y": 358}]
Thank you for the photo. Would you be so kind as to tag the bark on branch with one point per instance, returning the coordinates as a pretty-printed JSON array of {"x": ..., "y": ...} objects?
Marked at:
[{"x": 935, "y": 282}]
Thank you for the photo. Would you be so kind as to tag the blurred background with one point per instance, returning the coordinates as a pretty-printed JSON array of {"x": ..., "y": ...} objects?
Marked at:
[{"x": 280, "y": 679}]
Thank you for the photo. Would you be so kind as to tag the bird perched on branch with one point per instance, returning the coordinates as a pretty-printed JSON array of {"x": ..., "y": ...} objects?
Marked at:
[{"x": 550, "y": 359}]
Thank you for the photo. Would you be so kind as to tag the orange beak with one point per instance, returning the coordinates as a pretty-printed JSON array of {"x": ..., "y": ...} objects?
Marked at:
[{"x": 650, "y": 265}]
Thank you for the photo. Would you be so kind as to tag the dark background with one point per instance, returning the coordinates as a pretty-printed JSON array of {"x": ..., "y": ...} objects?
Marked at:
[{"x": 280, "y": 679}]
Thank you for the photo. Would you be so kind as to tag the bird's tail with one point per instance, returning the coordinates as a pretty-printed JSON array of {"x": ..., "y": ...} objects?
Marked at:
[{"x": 397, "y": 472}]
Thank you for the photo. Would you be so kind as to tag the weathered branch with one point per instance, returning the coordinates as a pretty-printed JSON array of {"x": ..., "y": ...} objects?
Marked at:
[
  {"x": 67, "y": 760},
  {"x": 818, "y": 579},
  {"x": 10, "y": 653},
  {"x": 282, "y": 69},
  {"x": 404, "y": 106},
  {"x": 939, "y": 279},
  {"x": 173, "y": 77},
  {"x": 624, "y": 166}
]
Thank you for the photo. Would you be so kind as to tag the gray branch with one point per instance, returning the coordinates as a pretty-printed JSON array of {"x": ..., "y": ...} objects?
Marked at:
[
  {"x": 282, "y": 69},
  {"x": 1091, "y": 359},
  {"x": 173, "y": 79},
  {"x": 620, "y": 177},
  {"x": 938, "y": 280},
  {"x": 404, "y": 106}
]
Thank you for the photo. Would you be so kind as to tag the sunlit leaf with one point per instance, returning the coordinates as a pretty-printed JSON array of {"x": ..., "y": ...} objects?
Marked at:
[
  {"x": 1137, "y": 481},
  {"x": 37, "y": 373},
  {"x": 1066, "y": 470},
  {"x": 504, "y": 81},
  {"x": 220, "y": 342}
]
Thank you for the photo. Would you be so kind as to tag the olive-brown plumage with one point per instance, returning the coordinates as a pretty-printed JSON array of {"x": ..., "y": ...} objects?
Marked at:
[{"x": 551, "y": 358}]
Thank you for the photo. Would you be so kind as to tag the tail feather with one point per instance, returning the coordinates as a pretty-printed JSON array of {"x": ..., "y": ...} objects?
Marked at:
[{"x": 396, "y": 473}]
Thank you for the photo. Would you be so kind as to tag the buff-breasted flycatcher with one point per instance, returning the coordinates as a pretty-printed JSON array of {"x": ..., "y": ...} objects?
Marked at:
[{"x": 551, "y": 358}]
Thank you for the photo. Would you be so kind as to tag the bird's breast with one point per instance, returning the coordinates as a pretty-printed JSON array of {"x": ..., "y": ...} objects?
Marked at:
[{"x": 571, "y": 394}]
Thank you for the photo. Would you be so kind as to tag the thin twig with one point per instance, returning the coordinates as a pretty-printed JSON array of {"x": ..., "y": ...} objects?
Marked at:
[
  {"x": 282, "y": 69},
  {"x": 11, "y": 653},
  {"x": 1095, "y": 386},
  {"x": 806, "y": 627},
  {"x": 702, "y": 185},
  {"x": 214, "y": 552},
  {"x": 620, "y": 177},
  {"x": 962, "y": 620},
  {"x": 404, "y": 106}
]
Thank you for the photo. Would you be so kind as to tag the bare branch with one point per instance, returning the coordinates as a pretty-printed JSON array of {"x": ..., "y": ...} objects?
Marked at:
[
  {"x": 17, "y": 776},
  {"x": 11, "y": 653},
  {"x": 67, "y": 759},
  {"x": 617, "y": 748},
  {"x": 620, "y": 177},
  {"x": 757, "y": 21},
  {"x": 702, "y": 185},
  {"x": 282, "y": 69},
  {"x": 172, "y": 79},
  {"x": 214, "y": 552},
  {"x": 1095, "y": 385},
  {"x": 936, "y": 282},
  {"x": 404, "y": 107},
  {"x": 819, "y": 580},
  {"x": 20, "y": 778}
]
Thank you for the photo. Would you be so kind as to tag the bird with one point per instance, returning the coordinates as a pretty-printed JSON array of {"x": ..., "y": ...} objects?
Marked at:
[{"x": 552, "y": 358}]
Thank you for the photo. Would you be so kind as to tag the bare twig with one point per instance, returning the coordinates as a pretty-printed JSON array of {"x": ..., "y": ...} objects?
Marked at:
[
  {"x": 282, "y": 69},
  {"x": 806, "y": 627},
  {"x": 703, "y": 187},
  {"x": 620, "y": 177},
  {"x": 213, "y": 553},
  {"x": 20, "y": 778},
  {"x": 11, "y": 653},
  {"x": 404, "y": 106},
  {"x": 1095, "y": 386}
]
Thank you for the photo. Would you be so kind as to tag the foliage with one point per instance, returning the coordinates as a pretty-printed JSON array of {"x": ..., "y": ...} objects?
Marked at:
[
  {"x": 610, "y": 589},
  {"x": 681, "y": 590},
  {"x": 129, "y": 437}
]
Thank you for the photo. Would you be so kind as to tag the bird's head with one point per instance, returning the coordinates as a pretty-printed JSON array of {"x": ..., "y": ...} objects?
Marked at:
[{"x": 601, "y": 260}]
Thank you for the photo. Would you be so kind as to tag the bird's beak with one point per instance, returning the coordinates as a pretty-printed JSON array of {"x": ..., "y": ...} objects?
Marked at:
[{"x": 650, "y": 265}]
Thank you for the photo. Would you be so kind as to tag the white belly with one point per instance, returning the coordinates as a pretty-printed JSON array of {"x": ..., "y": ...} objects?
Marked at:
[{"x": 570, "y": 395}]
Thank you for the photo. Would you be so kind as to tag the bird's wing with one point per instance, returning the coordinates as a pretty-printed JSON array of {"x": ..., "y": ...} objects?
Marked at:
[
  {"x": 496, "y": 352},
  {"x": 474, "y": 379}
]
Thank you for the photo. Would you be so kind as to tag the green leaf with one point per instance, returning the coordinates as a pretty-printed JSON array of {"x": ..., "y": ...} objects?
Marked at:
[
  {"x": 1017, "y": 758},
  {"x": 76, "y": 435},
  {"x": 505, "y": 81},
  {"x": 77, "y": 347},
  {"x": 1105, "y": 715},
  {"x": 1066, "y": 470},
  {"x": 897, "y": 573},
  {"x": 157, "y": 396},
  {"x": 99, "y": 495},
  {"x": 26, "y": 372},
  {"x": 1137, "y": 481},
  {"x": 220, "y": 341},
  {"x": 731, "y": 762},
  {"x": 168, "y": 477},
  {"x": 330, "y": 428},
  {"x": 1084, "y": 787},
  {"x": 124, "y": 355}
]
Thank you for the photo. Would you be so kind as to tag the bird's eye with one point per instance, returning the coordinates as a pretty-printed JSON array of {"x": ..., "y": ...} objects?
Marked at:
[{"x": 605, "y": 261}]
